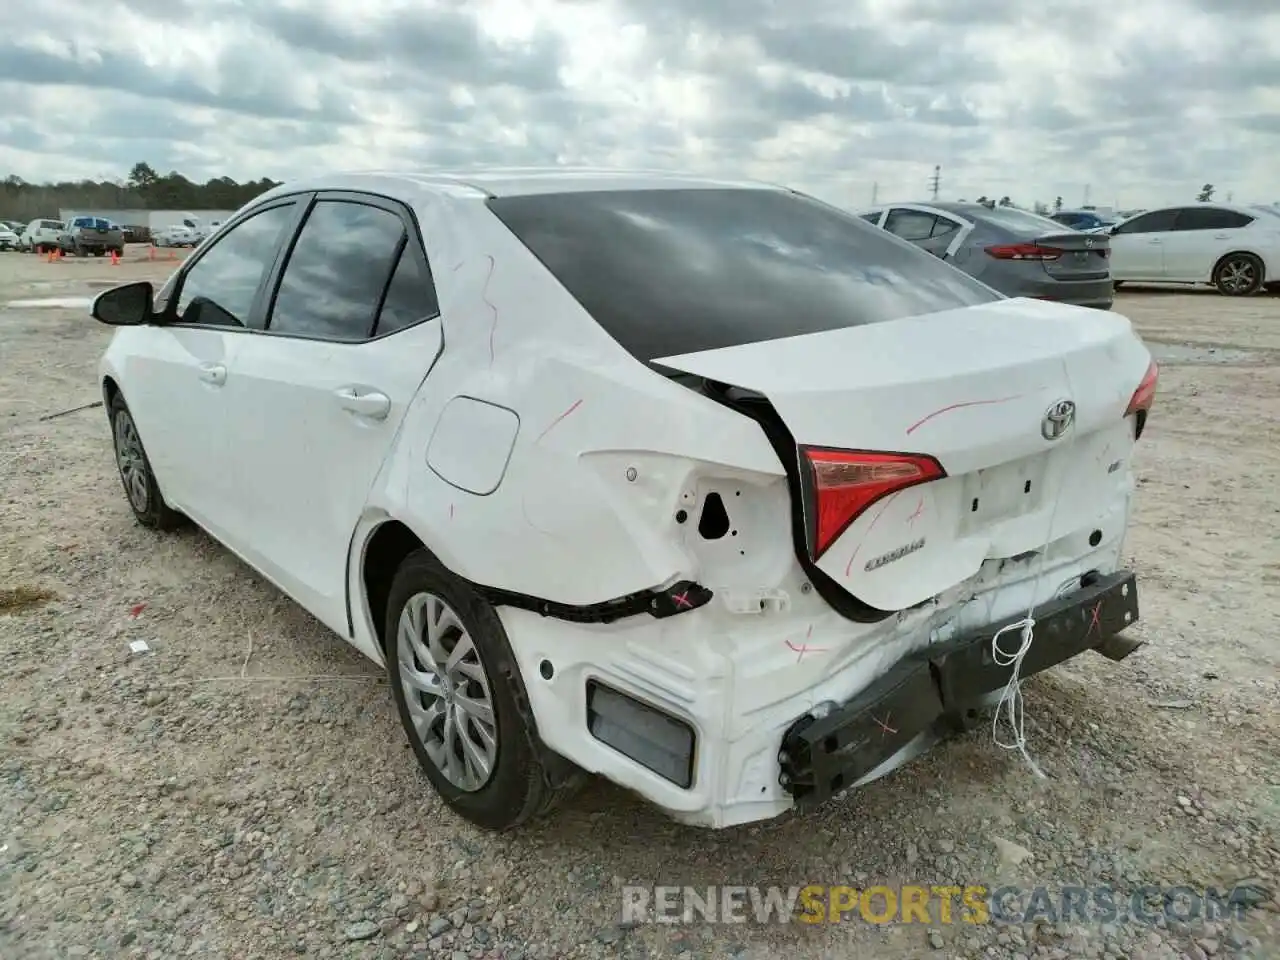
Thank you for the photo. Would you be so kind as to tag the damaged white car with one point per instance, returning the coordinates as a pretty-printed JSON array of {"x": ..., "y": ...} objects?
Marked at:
[{"x": 708, "y": 488}]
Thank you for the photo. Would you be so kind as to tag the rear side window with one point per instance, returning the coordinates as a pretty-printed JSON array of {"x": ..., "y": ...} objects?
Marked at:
[
  {"x": 410, "y": 296},
  {"x": 1210, "y": 218},
  {"x": 339, "y": 267},
  {"x": 910, "y": 224},
  {"x": 667, "y": 272}
]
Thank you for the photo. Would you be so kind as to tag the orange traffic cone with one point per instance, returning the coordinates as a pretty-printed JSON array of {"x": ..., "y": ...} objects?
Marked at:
[{"x": 115, "y": 259}]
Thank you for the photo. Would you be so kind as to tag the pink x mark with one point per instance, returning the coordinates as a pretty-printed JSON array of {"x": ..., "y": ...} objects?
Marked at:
[
  {"x": 885, "y": 729},
  {"x": 681, "y": 600},
  {"x": 804, "y": 648},
  {"x": 1093, "y": 621}
]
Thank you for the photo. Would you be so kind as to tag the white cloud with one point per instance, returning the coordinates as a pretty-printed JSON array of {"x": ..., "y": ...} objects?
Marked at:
[{"x": 1142, "y": 102}]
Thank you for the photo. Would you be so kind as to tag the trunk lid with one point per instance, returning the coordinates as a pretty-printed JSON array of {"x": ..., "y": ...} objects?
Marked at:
[
  {"x": 972, "y": 388},
  {"x": 1085, "y": 256}
]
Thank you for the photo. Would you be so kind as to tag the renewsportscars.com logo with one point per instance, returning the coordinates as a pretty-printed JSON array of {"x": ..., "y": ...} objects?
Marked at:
[{"x": 931, "y": 904}]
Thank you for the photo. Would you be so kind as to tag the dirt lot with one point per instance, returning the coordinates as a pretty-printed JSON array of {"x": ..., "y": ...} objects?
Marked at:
[{"x": 195, "y": 801}]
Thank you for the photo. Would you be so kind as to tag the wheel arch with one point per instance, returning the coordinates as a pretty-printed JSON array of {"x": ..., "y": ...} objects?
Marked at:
[
  {"x": 380, "y": 555},
  {"x": 1217, "y": 264}
]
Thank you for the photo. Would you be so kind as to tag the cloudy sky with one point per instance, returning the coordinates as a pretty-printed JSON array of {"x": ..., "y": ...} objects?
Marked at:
[{"x": 1137, "y": 102}]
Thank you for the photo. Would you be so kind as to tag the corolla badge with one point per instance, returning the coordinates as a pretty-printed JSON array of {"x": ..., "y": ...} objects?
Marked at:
[
  {"x": 1058, "y": 419},
  {"x": 907, "y": 548}
]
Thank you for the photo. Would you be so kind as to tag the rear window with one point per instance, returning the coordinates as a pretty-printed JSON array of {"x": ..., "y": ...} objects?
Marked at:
[
  {"x": 1028, "y": 224},
  {"x": 667, "y": 272}
]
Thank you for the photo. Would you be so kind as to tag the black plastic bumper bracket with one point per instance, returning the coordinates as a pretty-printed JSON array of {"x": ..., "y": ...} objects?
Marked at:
[{"x": 821, "y": 756}]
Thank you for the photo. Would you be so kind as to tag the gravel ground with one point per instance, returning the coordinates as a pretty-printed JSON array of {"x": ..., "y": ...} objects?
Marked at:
[{"x": 199, "y": 800}]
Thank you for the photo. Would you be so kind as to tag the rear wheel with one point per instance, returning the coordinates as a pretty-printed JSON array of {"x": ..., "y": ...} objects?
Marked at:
[
  {"x": 140, "y": 487},
  {"x": 458, "y": 691},
  {"x": 1238, "y": 275}
]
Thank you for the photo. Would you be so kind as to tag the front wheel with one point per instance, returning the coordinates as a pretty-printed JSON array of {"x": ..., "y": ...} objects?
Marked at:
[
  {"x": 140, "y": 487},
  {"x": 1238, "y": 275},
  {"x": 458, "y": 691}
]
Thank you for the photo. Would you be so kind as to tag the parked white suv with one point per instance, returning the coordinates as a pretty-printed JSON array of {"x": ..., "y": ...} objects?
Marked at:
[
  {"x": 42, "y": 235},
  {"x": 709, "y": 488}
]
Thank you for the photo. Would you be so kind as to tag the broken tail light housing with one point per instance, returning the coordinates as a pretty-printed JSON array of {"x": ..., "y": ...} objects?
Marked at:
[
  {"x": 842, "y": 484},
  {"x": 1142, "y": 399}
]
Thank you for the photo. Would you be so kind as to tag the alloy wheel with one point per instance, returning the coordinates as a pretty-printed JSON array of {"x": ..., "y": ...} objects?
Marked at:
[
  {"x": 447, "y": 691},
  {"x": 132, "y": 462},
  {"x": 1238, "y": 275}
]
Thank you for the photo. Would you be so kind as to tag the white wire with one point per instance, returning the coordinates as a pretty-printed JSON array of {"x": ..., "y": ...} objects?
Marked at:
[{"x": 1010, "y": 703}]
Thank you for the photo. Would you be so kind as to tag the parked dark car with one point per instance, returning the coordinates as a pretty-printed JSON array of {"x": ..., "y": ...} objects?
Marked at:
[
  {"x": 1018, "y": 253},
  {"x": 91, "y": 235}
]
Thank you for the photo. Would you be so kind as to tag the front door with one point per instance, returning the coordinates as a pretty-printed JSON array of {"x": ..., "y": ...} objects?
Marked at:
[
  {"x": 1137, "y": 246},
  {"x": 177, "y": 376},
  {"x": 317, "y": 400}
]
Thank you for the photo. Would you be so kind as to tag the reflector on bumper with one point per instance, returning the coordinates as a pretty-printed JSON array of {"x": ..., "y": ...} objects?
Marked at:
[{"x": 655, "y": 740}]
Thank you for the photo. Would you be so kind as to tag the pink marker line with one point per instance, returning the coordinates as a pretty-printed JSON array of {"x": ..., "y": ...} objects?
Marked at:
[
  {"x": 957, "y": 406},
  {"x": 576, "y": 404}
]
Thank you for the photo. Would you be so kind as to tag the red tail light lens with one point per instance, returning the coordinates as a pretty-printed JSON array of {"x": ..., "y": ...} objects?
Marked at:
[
  {"x": 845, "y": 483},
  {"x": 1145, "y": 395},
  {"x": 1023, "y": 251}
]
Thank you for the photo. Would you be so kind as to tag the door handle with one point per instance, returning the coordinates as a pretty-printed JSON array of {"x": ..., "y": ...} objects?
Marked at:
[
  {"x": 1154, "y": 240},
  {"x": 373, "y": 405},
  {"x": 1222, "y": 236},
  {"x": 214, "y": 373}
]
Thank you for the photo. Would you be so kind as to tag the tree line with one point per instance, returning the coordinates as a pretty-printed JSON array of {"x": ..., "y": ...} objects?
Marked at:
[{"x": 145, "y": 189}]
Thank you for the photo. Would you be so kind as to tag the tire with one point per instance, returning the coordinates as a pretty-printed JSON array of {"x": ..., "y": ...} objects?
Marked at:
[
  {"x": 1117, "y": 284},
  {"x": 1238, "y": 275},
  {"x": 524, "y": 778},
  {"x": 139, "y": 482}
]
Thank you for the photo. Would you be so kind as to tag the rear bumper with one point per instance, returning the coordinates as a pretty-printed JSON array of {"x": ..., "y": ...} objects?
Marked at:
[
  {"x": 1099, "y": 294},
  {"x": 822, "y": 755}
]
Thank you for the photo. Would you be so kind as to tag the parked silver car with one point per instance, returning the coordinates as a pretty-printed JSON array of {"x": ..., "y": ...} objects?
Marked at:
[{"x": 1018, "y": 253}]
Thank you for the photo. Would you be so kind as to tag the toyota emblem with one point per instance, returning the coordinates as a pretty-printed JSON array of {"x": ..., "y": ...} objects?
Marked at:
[
  {"x": 1089, "y": 242},
  {"x": 1058, "y": 419}
]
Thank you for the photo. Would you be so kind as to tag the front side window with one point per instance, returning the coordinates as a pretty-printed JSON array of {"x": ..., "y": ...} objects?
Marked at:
[
  {"x": 220, "y": 287},
  {"x": 1158, "y": 221},
  {"x": 674, "y": 271},
  {"x": 336, "y": 274}
]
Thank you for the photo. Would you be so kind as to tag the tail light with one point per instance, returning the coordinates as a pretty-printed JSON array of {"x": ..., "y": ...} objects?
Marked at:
[
  {"x": 1142, "y": 399},
  {"x": 844, "y": 483},
  {"x": 1023, "y": 251}
]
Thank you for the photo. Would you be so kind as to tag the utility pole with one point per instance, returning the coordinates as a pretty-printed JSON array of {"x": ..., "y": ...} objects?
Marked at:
[
  {"x": 875, "y": 193},
  {"x": 1086, "y": 196},
  {"x": 935, "y": 180}
]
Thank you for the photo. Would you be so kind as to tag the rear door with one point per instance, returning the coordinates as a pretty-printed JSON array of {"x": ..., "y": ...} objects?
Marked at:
[
  {"x": 1200, "y": 236},
  {"x": 315, "y": 402},
  {"x": 1137, "y": 246}
]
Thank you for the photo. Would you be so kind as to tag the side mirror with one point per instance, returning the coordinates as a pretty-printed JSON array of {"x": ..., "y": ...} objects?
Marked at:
[{"x": 124, "y": 306}]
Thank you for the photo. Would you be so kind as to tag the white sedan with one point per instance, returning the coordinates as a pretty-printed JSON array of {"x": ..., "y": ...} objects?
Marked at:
[
  {"x": 1235, "y": 248},
  {"x": 708, "y": 488}
]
